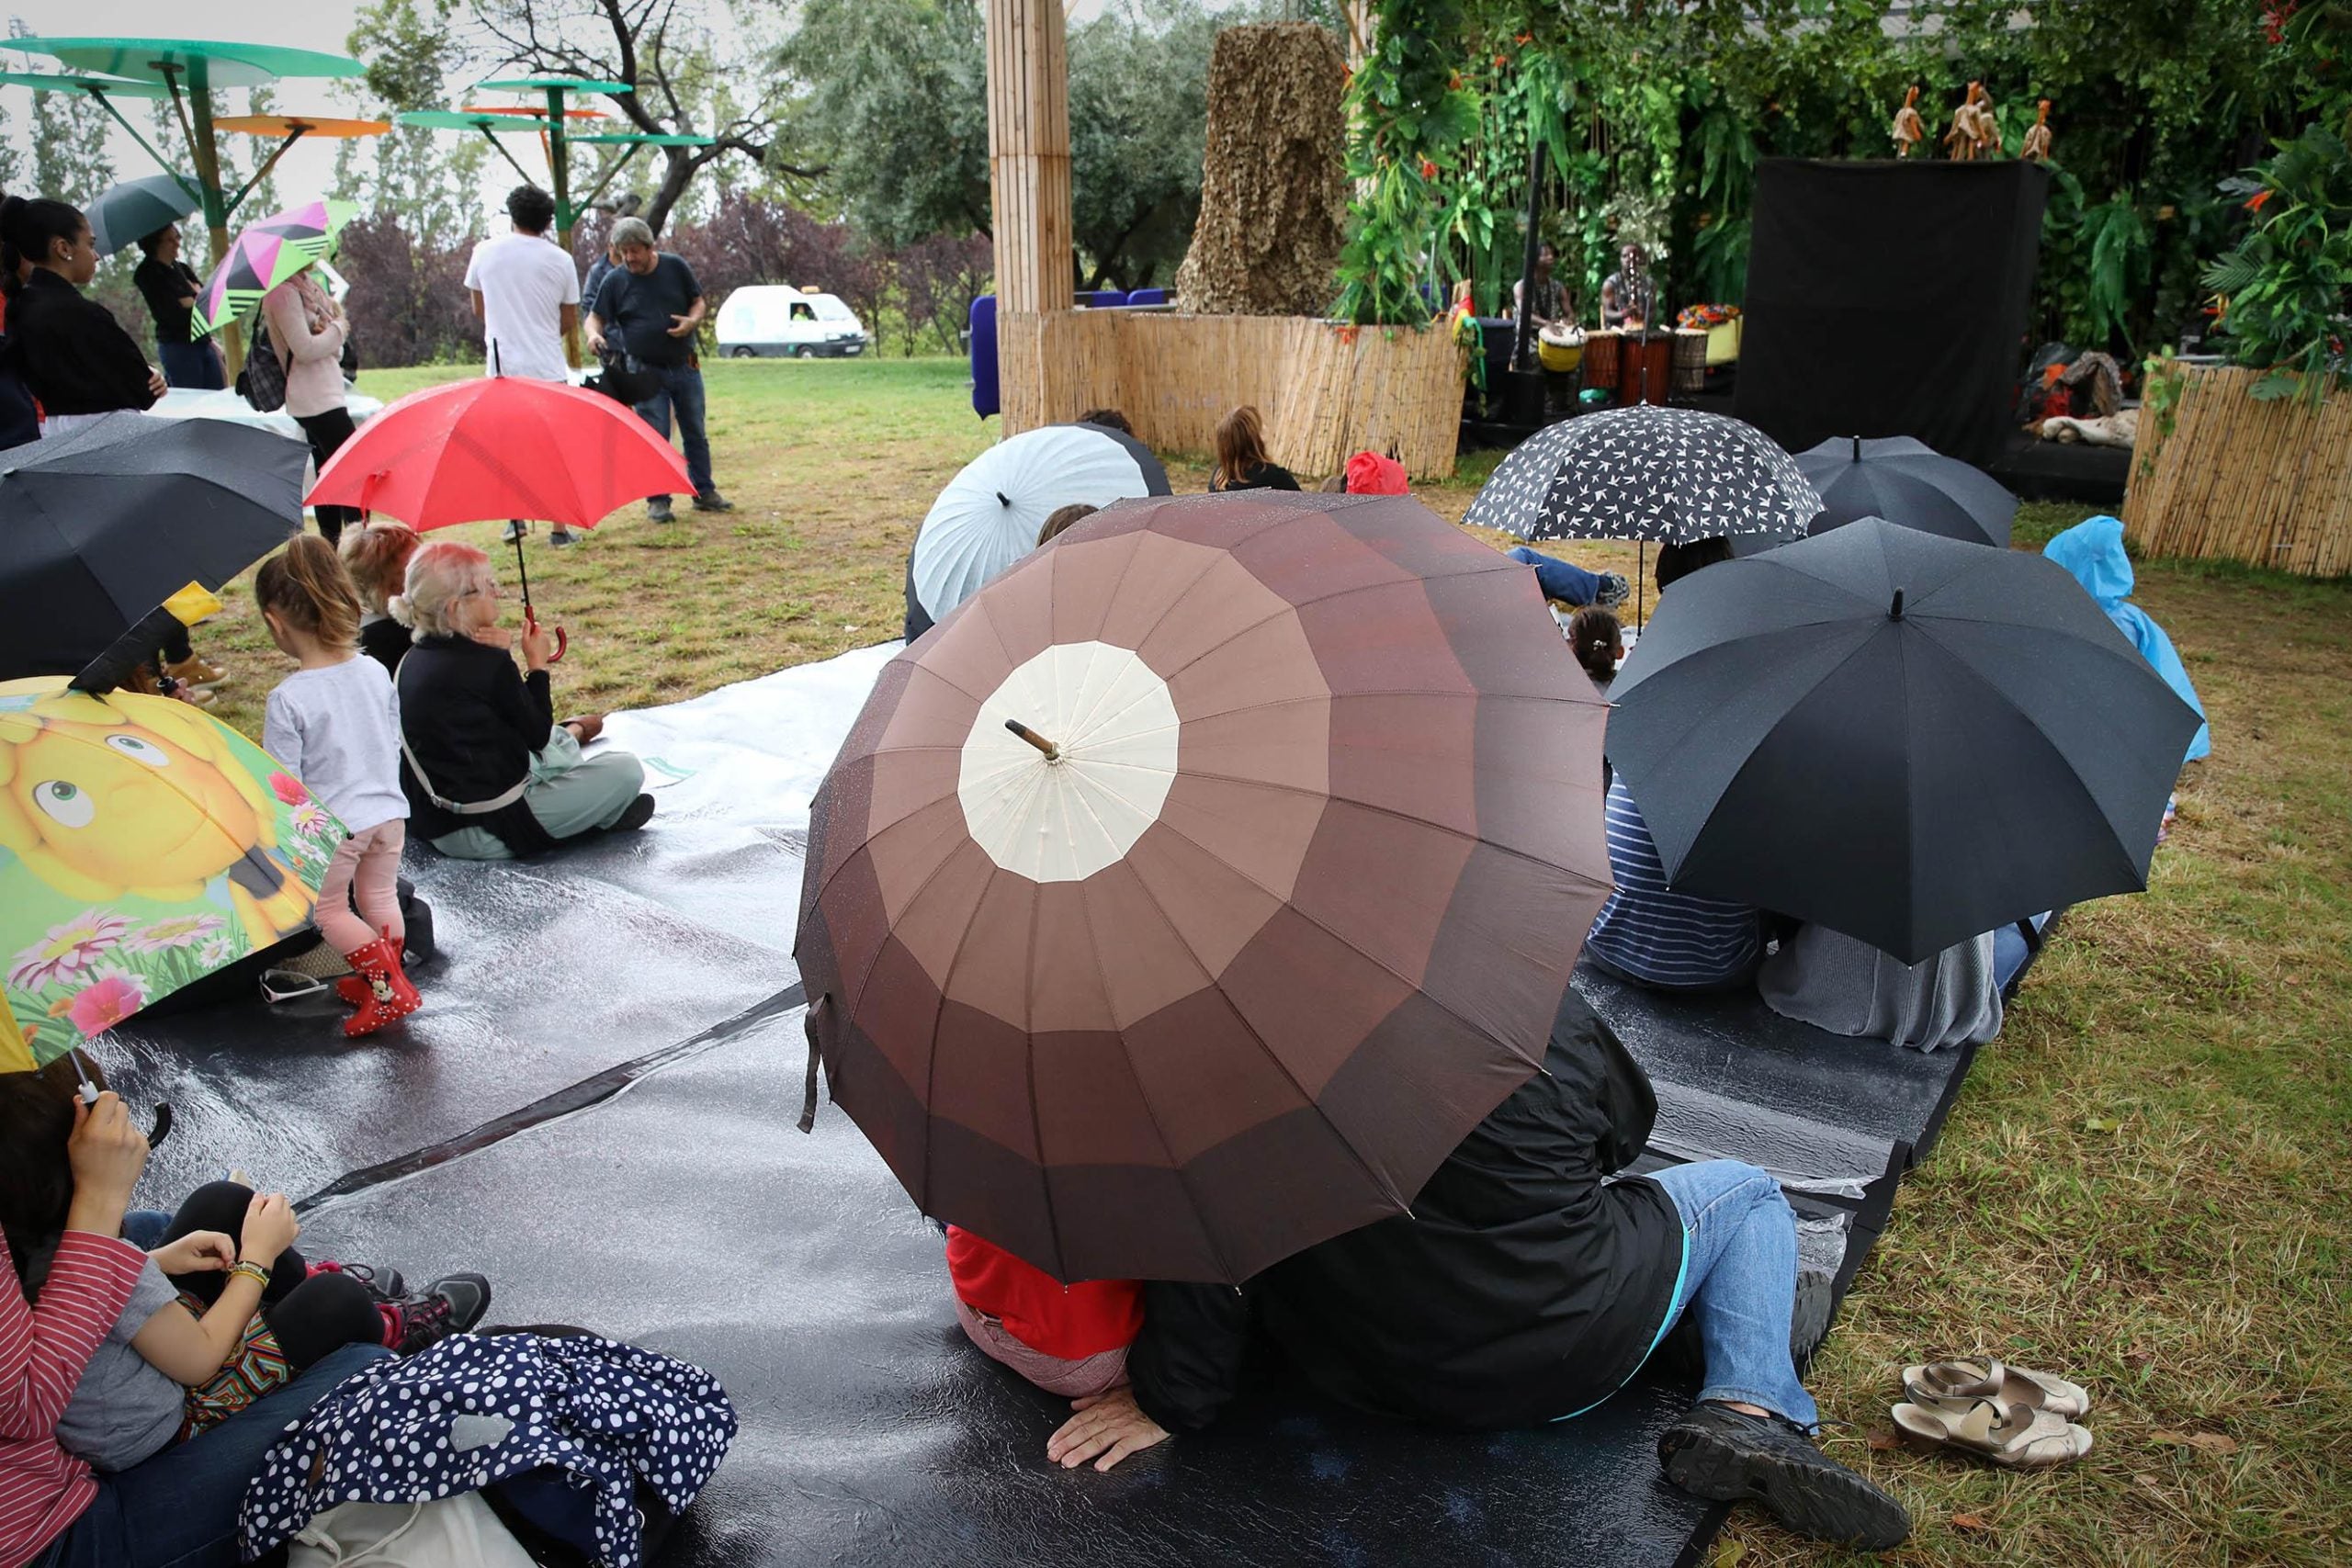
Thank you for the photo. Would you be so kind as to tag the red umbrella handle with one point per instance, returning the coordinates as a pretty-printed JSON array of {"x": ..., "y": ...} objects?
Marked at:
[{"x": 562, "y": 645}]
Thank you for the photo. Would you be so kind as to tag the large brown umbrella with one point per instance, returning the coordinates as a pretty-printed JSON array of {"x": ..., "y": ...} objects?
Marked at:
[{"x": 1285, "y": 913}]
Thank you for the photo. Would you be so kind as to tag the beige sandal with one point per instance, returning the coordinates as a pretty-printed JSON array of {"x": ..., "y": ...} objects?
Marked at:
[
  {"x": 2013, "y": 1437},
  {"x": 2004, "y": 1384}
]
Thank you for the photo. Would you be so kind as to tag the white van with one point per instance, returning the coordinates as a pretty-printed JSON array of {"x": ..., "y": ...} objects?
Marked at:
[{"x": 768, "y": 319}]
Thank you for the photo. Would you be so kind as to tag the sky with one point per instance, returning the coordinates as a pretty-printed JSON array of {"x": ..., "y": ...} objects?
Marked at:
[{"x": 325, "y": 25}]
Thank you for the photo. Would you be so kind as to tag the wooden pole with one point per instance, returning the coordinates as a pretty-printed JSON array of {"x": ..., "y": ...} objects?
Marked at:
[{"x": 1029, "y": 158}]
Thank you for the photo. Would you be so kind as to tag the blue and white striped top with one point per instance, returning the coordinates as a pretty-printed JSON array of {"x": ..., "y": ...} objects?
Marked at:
[{"x": 1650, "y": 933}]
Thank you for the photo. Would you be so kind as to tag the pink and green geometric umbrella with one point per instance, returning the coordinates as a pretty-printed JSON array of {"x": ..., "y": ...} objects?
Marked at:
[{"x": 265, "y": 255}]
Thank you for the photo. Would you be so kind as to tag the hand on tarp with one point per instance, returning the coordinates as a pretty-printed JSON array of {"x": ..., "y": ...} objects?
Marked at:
[{"x": 1111, "y": 1425}]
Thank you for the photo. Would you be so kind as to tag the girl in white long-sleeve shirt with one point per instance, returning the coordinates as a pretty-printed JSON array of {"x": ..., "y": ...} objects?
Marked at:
[{"x": 309, "y": 329}]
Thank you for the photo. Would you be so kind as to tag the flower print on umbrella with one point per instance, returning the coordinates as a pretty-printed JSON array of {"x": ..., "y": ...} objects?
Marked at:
[
  {"x": 67, "y": 949},
  {"x": 311, "y": 817},
  {"x": 106, "y": 1001},
  {"x": 217, "y": 951},
  {"x": 289, "y": 789},
  {"x": 180, "y": 930}
]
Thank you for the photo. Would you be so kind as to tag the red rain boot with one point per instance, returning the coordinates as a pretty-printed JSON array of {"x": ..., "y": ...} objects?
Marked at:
[
  {"x": 355, "y": 989},
  {"x": 389, "y": 994}
]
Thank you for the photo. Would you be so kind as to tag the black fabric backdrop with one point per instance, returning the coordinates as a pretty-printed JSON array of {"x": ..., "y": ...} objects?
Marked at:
[{"x": 1889, "y": 299}]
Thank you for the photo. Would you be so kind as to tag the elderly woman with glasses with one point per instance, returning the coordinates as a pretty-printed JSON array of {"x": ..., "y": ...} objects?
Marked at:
[{"x": 489, "y": 773}]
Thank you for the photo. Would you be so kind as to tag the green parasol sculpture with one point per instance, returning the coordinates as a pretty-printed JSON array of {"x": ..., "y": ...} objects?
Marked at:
[{"x": 188, "y": 72}]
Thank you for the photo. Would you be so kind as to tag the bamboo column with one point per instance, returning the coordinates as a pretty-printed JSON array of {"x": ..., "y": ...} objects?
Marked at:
[
  {"x": 1028, "y": 192},
  {"x": 1029, "y": 155}
]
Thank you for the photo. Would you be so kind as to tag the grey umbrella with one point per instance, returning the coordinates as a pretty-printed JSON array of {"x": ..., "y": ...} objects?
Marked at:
[
  {"x": 1905, "y": 737},
  {"x": 1905, "y": 481},
  {"x": 125, "y": 213}
]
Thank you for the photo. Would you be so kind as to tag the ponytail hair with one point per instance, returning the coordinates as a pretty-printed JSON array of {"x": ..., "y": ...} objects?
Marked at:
[
  {"x": 1594, "y": 637},
  {"x": 27, "y": 230},
  {"x": 306, "y": 587}
]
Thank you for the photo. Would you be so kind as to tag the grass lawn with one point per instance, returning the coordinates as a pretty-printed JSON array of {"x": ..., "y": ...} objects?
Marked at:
[{"x": 2147, "y": 1182}]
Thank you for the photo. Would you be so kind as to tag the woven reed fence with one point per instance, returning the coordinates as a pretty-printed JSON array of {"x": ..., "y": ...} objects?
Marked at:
[
  {"x": 2266, "y": 483},
  {"x": 1326, "y": 391}
]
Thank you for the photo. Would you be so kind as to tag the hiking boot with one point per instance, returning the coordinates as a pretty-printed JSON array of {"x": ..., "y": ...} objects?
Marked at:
[
  {"x": 560, "y": 536},
  {"x": 658, "y": 510},
  {"x": 451, "y": 1304},
  {"x": 193, "y": 670},
  {"x": 1613, "y": 592},
  {"x": 711, "y": 501},
  {"x": 1729, "y": 1456},
  {"x": 384, "y": 1286},
  {"x": 637, "y": 814},
  {"x": 515, "y": 529}
]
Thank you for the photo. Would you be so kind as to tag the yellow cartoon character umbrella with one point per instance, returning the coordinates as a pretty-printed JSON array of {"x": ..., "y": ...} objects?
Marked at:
[{"x": 143, "y": 846}]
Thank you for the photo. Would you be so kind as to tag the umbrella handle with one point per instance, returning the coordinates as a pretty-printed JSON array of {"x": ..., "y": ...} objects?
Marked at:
[{"x": 562, "y": 645}]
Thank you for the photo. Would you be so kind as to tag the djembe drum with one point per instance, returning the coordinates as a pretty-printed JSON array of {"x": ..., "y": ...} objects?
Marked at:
[{"x": 1600, "y": 353}]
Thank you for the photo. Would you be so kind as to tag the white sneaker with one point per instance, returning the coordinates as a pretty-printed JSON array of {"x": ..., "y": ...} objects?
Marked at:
[{"x": 515, "y": 529}]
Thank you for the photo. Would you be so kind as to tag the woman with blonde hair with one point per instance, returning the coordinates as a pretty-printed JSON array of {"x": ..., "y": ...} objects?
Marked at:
[
  {"x": 490, "y": 774},
  {"x": 1241, "y": 460},
  {"x": 376, "y": 558}
]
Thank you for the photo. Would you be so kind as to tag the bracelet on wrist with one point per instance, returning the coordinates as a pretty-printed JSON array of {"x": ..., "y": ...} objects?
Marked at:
[{"x": 252, "y": 1270}]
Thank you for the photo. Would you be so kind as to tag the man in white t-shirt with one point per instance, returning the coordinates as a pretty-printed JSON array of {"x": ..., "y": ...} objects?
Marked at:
[{"x": 527, "y": 295}]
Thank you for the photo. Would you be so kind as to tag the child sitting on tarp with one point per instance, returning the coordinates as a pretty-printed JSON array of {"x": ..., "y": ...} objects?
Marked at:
[
  {"x": 1068, "y": 1339},
  {"x": 2093, "y": 551}
]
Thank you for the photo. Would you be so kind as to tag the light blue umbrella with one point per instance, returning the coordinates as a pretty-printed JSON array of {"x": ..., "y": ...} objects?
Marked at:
[{"x": 130, "y": 210}]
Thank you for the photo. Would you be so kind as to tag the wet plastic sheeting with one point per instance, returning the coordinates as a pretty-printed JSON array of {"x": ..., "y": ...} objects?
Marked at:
[
  {"x": 1799, "y": 1099},
  {"x": 548, "y": 975},
  {"x": 690, "y": 1215}
]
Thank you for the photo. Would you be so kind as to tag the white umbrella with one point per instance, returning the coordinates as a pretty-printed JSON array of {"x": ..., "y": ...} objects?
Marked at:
[{"x": 989, "y": 515}]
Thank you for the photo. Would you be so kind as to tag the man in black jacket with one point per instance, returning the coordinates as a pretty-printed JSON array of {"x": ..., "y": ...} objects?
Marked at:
[{"x": 1526, "y": 1287}]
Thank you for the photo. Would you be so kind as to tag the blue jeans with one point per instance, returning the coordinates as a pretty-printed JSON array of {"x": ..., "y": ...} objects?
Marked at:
[
  {"x": 1739, "y": 1275},
  {"x": 196, "y": 365},
  {"x": 681, "y": 390},
  {"x": 1558, "y": 579},
  {"x": 179, "y": 1508}
]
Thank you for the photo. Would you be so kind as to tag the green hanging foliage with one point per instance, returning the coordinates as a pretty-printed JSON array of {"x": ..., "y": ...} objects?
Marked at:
[
  {"x": 1656, "y": 117},
  {"x": 2286, "y": 288}
]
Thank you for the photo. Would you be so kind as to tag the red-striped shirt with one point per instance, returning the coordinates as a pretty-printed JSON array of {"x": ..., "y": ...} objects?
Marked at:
[{"x": 42, "y": 1351}]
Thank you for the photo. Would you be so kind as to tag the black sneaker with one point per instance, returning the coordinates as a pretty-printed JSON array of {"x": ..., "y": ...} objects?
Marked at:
[
  {"x": 1611, "y": 591},
  {"x": 515, "y": 528},
  {"x": 561, "y": 536},
  {"x": 711, "y": 501},
  {"x": 1729, "y": 1456},
  {"x": 383, "y": 1285},
  {"x": 658, "y": 510},
  {"x": 637, "y": 814},
  {"x": 451, "y": 1304}
]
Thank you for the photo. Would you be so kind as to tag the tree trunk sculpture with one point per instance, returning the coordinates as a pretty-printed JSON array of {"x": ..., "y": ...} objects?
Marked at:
[{"x": 1274, "y": 187}]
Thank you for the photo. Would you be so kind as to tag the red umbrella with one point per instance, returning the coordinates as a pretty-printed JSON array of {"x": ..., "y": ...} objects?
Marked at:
[{"x": 496, "y": 447}]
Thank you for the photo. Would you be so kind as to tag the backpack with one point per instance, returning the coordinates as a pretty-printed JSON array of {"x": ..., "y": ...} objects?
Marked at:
[{"x": 261, "y": 382}]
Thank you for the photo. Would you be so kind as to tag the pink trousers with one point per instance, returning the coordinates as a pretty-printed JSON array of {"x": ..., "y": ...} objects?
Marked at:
[
  {"x": 1072, "y": 1379},
  {"x": 365, "y": 870}
]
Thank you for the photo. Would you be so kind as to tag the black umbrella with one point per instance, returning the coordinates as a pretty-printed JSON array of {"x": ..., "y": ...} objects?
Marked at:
[
  {"x": 99, "y": 527},
  {"x": 1658, "y": 476},
  {"x": 1905, "y": 481},
  {"x": 1907, "y": 738}
]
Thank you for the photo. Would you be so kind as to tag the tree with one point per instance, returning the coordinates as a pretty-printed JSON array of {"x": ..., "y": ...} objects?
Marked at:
[
  {"x": 896, "y": 97},
  {"x": 427, "y": 181},
  {"x": 1139, "y": 113},
  {"x": 675, "y": 69}
]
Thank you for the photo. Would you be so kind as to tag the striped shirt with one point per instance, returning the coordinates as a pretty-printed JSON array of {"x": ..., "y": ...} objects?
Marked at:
[
  {"x": 42, "y": 1351},
  {"x": 1649, "y": 933}
]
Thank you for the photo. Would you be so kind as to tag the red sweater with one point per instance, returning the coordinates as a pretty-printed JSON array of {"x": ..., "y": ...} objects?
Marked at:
[
  {"x": 42, "y": 1351},
  {"x": 1068, "y": 1321}
]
